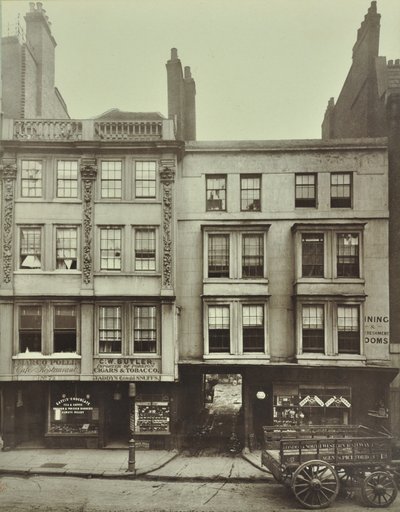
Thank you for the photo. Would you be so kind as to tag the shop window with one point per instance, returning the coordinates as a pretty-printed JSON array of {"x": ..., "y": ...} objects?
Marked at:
[
  {"x": 219, "y": 339},
  {"x": 30, "y": 248},
  {"x": 64, "y": 329},
  {"x": 73, "y": 410},
  {"x": 145, "y": 329},
  {"x": 250, "y": 192},
  {"x": 306, "y": 190},
  {"x": 110, "y": 329},
  {"x": 218, "y": 255},
  {"x": 67, "y": 178},
  {"x": 341, "y": 190},
  {"x": 30, "y": 329},
  {"x": 348, "y": 330},
  {"x": 111, "y": 179},
  {"x": 216, "y": 193},
  {"x": 152, "y": 414},
  {"x": 253, "y": 328},
  {"x": 312, "y": 248},
  {"x": 348, "y": 255},
  {"x": 66, "y": 248},
  {"x": 145, "y": 249},
  {"x": 31, "y": 178},
  {"x": 313, "y": 336},
  {"x": 110, "y": 248},
  {"x": 252, "y": 255},
  {"x": 145, "y": 179}
]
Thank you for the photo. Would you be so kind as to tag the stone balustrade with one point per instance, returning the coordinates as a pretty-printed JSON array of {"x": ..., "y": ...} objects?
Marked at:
[{"x": 60, "y": 130}]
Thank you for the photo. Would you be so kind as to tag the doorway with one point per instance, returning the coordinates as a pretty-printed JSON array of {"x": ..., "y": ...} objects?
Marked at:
[
  {"x": 30, "y": 416},
  {"x": 117, "y": 418}
]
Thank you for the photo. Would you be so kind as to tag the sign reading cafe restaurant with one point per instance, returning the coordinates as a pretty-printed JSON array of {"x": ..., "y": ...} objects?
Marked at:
[{"x": 121, "y": 368}]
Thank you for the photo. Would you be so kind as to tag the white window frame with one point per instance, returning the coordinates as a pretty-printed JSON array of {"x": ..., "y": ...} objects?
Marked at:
[
  {"x": 53, "y": 306},
  {"x": 67, "y": 198},
  {"x": 236, "y": 328},
  {"x": 157, "y": 251},
  {"x": 131, "y": 340},
  {"x": 122, "y": 260},
  {"x": 38, "y": 227},
  {"x": 106, "y": 197},
  {"x": 135, "y": 180},
  {"x": 78, "y": 248},
  {"x": 42, "y": 179}
]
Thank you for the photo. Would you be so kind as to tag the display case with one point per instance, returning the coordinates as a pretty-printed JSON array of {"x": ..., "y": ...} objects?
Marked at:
[
  {"x": 152, "y": 414},
  {"x": 286, "y": 405}
]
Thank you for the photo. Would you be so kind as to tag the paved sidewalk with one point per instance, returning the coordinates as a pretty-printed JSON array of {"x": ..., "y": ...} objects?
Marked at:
[{"x": 150, "y": 464}]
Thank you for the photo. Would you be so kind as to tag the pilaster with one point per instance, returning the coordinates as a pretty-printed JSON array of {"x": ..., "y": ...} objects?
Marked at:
[
  {"x": 88, "y": 177},
  {"x": 8, "y": 169},
  {"x": 167, "y": 178}
]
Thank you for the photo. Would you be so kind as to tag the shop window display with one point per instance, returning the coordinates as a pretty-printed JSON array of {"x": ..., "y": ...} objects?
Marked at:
[{"x": 73, "y": 410}]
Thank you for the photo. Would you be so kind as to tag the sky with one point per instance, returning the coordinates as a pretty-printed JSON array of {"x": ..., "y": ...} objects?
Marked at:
[{"x": 264, "y": 69}]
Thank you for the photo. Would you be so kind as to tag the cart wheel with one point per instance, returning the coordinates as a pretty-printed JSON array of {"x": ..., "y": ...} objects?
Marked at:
[
  {"x": 315, "y": 484},
  {"x": 348, "y": 482},
  {"x": 378, "y": 489}
]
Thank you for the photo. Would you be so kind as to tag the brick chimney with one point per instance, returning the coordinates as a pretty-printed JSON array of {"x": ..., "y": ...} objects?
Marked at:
[
  {"x": 181, "y": 98},
  {"x": 367, "y": 44},
  {"x": 42, "y": 45}
]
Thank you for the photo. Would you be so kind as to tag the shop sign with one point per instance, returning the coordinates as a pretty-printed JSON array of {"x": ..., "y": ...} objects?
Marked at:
[
  {"x": 136, "y": 369},
  {"x": 46, "y": 369},
  {"x": 311, "y": 400},
  {"x": 72, "y": 405},
  {"x": 376, "y": 329},
  {"x": 338, "y": 401}
]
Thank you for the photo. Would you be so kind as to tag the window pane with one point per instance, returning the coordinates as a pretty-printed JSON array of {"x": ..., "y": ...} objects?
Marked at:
[
  {"x": 250, "y": 193},
  {"x": 253, "y": 328},
  {"x": 111, "y": 179},
  {"x": 252, "y": 255},
  {"x": 348, "y": 330},
  {"x": 218, "y": 255},
  {"x": 65, "y": 329},
  {"x": 110, "y": 249},
  {"x": 312, "y": 255},
  {"x": 145, "y": 179},
  {"x": 30, "y": 251},
  {"x": 145, "y": 329},
  {"x": 31, "y": 178},
  {"x": 347, "y": 255},
  {"x": 67, "y": 178},
  {"x": 145, "y": 249},
  {"x": 219, "y": 329},
  {"x": 110, "y": 330},
  {"x": 306, "y": 190},
  {"x": 66, "y": 248},
  {"x": 313, "y": 328},
  {"x": 216, "y": 193},
  {"x": 30, "y": 329},
  {"x": 341, "y": 185}
]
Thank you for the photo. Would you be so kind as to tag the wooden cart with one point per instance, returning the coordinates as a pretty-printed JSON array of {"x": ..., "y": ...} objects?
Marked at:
[{"x": 316, "y": 462}]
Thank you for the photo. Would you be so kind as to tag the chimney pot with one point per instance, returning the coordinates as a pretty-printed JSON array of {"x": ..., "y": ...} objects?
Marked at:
[
  {"x": 390, "y": 63},
  {"x": 32, "y": 6},
  {"x": 174, "y": 54},
  {"x": 39, "y": 6},
  {"x": 397, "y": 62},
  {"x": 188, "y": 73}
]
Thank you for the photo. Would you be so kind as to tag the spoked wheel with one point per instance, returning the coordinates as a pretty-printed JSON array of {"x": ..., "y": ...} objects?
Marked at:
[
  {"x": 348, "y": 482},
  {"x": 315, "y": 484},
  {"x": 378, "y": 489}
]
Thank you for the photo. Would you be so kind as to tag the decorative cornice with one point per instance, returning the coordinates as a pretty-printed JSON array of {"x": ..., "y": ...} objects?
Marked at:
[{"x": 167, "y": 175}]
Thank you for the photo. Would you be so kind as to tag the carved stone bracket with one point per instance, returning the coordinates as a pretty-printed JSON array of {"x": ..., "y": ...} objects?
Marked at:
[
  {"x": 88, "y": 176},
  {"x": 8, "y": 170},
  {"x": 167, "y": 178}
]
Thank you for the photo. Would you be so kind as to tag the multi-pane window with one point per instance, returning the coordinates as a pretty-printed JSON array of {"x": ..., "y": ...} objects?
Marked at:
[
  {"x": 110, "y": 249},
  {"x": 312, "y": 253},
  {"x": 31, "y": 178},
  {"x": 306, "y": 190},
  {"x": 347, "y": 255},
  {"x": 30, "y": 248},
  {"x": 64, "y": 329},
  {"x": 253, "y": 255},
  {"x": 66, "y": 248},
  {"x": 30, "y": 329},
  {"x": 219, "y": 337},
  {"x": 145, "y": 249},
  {"x": 250, "y": 191},
  {"x": 218, "y": 255},
  {"x": 348, "y": 329},
  {"x": 313, "y": 328},
  {"x": 341, "y": 185},
  {"x": 67, "y": 178},
  {"x": 253, "y": 328},
  {"x": 145, "y": 329},
  {"x": 145, "y": 179},
  {"x": 110, "y": 329},
  {"x": 216, "y": 193},
  {"x": 111, "y": 179}
]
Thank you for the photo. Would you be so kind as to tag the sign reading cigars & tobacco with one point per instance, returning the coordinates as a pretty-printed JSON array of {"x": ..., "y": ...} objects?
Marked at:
[{"x": 124, "y": 368}]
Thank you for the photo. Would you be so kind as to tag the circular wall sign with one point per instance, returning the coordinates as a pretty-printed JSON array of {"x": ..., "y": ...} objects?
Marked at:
[{"x": 260, "y": 395}]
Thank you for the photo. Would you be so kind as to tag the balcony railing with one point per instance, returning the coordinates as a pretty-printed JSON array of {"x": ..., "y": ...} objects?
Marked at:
[{"x": 84, "y": 130}]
